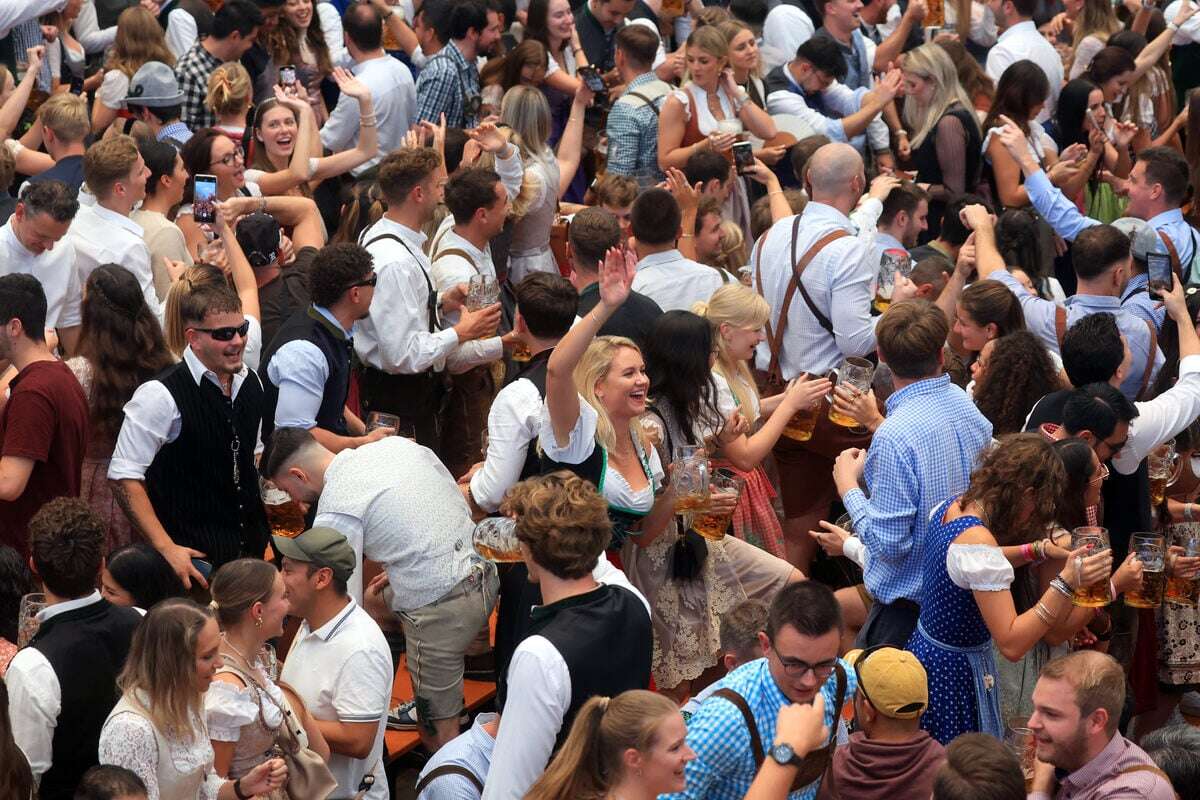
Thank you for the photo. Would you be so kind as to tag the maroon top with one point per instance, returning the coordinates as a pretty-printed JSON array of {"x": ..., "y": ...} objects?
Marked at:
[{"x": 46, "y": 420}]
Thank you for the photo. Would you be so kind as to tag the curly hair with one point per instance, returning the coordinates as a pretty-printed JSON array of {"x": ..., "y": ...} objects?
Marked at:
[
  {"x": 334, "y": 269},
  {"x": 15, "y": 582},
  {"x": 563, "y": 521},
  {"x": 1021, "y": 462},
  {"x": 1019, "y": 373},
  {"x": 121, "y": 341},
  {"x": 66, "y": 545}
]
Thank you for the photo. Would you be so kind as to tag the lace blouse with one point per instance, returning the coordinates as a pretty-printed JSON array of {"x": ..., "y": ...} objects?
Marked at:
[{"x": 129, "y": 740}]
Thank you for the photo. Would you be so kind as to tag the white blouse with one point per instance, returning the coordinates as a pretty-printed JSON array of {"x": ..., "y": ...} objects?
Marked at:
[
  {"x": 706, "y": 121},
  {"x": 229, "y": 708},
  {"x": 727, "y": 402},
  {"x": 978, "y": 567},
  {"x": 129, "y": 740}
]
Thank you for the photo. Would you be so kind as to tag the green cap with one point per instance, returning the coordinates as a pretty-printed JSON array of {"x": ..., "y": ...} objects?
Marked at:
[{"x": 322, "y": 547}]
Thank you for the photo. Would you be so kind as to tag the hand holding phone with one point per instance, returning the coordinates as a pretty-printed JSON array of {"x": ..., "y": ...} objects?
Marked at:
[
  {"x": 743, "y": 157},
  {"x": 592, "y": 78},
  {"x": 204, "y": 196}
]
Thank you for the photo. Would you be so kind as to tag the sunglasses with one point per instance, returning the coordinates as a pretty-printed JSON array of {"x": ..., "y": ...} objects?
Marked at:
[
  {"x": 226, "y": 333},
  {"x": 370, "y": 280}
]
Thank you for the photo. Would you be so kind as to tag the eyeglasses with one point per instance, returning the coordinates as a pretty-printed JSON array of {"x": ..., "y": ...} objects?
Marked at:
[
  {"x": 795, "y": 668},
  {"x": 1102, "y": 476},
  {"x": 226, "y": 333},
  {"x": 230, "y": 159},
  {"x": 370, "y": 280}
]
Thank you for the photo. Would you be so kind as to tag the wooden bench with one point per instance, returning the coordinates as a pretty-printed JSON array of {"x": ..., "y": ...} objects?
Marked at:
[{"x": 475, "y": 693}]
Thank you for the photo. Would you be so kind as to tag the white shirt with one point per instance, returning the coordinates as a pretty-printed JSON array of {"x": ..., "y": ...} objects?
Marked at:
[
  {"x": 1023, "y": 41},
  {"x": 1162, "y": 418},
  {"x": 88, "y": 32},
  {"x": 299, "y": 369},
  {"x": 397, "y": 504},
  {"x": 838, "y": 99},
  {"x": 54, "y": 269},
  {"x": 1188, "y": 32},
  {"x": 101, "y": 236},
  {"x": 335, "y": 39},
  {"x": 395, "y": 336},
  {"x": 450, "y": 269},
  {"x": 152, "y": 419},
  {"x": 539, "y": 679},
  {"x": 14, "y": 12},
  {"x": 839, "y": 281},
  {"x": 181, "y": 32},
  {"x": 35, "y": 695},
  {"x": 394, "y": 95},
  {"x": 513, "y": 423},
  {"x": 343, "y": 672},
  {"x": 785, "y": 29},
  {"x": 675, "y": 282}
]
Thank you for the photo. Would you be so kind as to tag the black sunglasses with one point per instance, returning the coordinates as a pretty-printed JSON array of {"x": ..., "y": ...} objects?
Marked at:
[
  {"x": 368, "y": 281},
  {"x": 226, "y": 333}
]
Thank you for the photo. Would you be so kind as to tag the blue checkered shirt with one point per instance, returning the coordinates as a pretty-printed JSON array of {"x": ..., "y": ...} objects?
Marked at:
[
  {"x": 1137, "y": 301},
  {"x": 724, "y": 767},
  {"x": 922, "y": 454},
  {"x": 633, "y": 134},
  {"x": 24, "y": 36},
  {"x": 445, "y": 81},
  {"x": 192, "y": 72}
]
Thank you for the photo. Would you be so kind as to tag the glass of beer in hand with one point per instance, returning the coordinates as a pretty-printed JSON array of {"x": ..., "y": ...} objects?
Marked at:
[
  {"x": 1151, "y": 551},
  {"x": 891, "y": 262},
  {"x": 855, "y": 376},
  {"x": 1183, "y": 591},
  {"x": 712, "y": 525},
  {"x": 690, "y": 479},
  {"x": 1162, "y": 466},
  {"x": 495, "y": 539},
  {"x": 1097, "y": 594}
]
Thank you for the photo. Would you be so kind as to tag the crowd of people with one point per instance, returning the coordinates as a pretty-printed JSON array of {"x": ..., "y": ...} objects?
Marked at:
[{"x": 772, "y": 398}]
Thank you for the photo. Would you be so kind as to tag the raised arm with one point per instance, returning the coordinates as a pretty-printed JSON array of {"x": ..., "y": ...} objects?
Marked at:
[
  {"x": 273, "y": 183},
  {"x": 1153, "y": 51},
  {"x": 240, "y": 270},
  {"x": 14, "y": 106},
  {"x": 367, "y": 146},
  {"x": 570, "y": 146}
]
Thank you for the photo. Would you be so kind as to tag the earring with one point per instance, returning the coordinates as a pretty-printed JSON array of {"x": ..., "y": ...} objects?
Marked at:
[{"x": 258, "y": 622}]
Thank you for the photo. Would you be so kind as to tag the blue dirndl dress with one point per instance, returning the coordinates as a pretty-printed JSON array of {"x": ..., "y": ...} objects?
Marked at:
[{"x": 954, "y": 644}]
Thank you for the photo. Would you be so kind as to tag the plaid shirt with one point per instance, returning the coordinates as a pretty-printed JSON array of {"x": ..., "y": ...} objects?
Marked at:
[
  {"x": 193, "y": 71},
  {"x": 724, "y": 767},
  {"x": 633, "y": 134},
  {"x": 922, "y": 453},
  {"x": 446, "y": 80},
  {"x": 24, "y": 36}
]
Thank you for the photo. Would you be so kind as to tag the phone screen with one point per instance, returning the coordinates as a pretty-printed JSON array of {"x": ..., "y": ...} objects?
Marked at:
[
  {"x": 1159, "y": 268},
  {"x": 203, "y": 197},
  {"x": 593, "y": 79},
  {"x": 287, "y": 75},
  {"x": 743, "y": 157}
]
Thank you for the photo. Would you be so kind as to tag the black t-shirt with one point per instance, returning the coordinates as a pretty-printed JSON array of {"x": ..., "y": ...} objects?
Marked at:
[
  {"x": 633, "y": 319},
  {"x": 280, "y": 298}
]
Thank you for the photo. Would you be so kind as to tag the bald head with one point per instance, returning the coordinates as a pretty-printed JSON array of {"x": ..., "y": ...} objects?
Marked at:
[{"x": 835, "y": 175}]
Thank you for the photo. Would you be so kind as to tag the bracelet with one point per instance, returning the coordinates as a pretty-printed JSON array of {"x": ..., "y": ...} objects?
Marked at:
[
  {"x": 1027, "y": 552},
  {"x": 262, "y": 206},
  {"x": 1060, "y": 585},
  {"x": 1171, "y": 26},
  {"x": 576, "y": 49},
  {"x": 776, "y": 191},
  {"x": 685, "y": 236},
  {"x": 237, "y": 790},
  {"x": 1044, "y": 614},
  {"x": 367, "y": 119},
  {"x": 1187, "y": 512}
]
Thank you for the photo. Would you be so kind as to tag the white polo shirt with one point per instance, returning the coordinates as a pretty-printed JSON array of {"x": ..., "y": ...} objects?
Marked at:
[
  {"x": 343, "y": 671},
  {"x": 55, "y": 269}
]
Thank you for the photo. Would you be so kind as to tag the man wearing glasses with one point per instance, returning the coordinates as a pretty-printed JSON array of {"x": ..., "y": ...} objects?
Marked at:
[
  {"x": 183, "y": 469},
  {"x": 734, "y": 729}
]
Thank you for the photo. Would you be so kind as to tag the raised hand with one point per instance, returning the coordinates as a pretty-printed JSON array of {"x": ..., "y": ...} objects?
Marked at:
[
  {"x": 616, "y": 277},
  {"x": 889, "y": 85},
  {"x": 882, "y": 185},
  {"x": 349, "y": 84},
  {"x": 488, "y": 137},
  {"x": 34, "y": 57},
  {"x": 685, "y": 194},
  {"x": 287, "y": 97}
]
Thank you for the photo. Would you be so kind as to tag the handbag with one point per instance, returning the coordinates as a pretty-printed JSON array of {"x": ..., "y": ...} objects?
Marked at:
[{"x": 308, "y": 776}]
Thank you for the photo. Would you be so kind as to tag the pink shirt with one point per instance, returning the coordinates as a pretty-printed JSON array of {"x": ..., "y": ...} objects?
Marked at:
[{"x": 1108, "y": 777}]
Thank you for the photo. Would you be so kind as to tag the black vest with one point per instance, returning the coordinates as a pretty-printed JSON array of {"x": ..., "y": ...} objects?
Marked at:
[
  {"x": 86, "y": 647},
  {"x": 606, "y": 640},
  {"x": 197, "y": 9},
  {"x": 309, "y": 325},
  {"x": 107, "y": 11},
  {"x": 190, "y": 481},
  {"x": 535, "y": 373}
]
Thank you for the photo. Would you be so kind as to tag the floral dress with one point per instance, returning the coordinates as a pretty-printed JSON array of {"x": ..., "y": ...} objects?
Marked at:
[
  {"x": 951, "y": 640},
  {"x": 1179, "y": 626}
]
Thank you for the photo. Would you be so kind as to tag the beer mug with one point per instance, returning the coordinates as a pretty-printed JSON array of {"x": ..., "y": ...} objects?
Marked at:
[
  {"x": 891, "y": 262},
  {"x": 1022, "y": 744},
  {"x": 378, "y": 419},
  {"x": 690, "y": 478},
  {"x": 1098, "y": 594},
  {"x": 1163, "y": 466},
  {"x": 495, "y": 539},
  {"x": 27, "y": 621},
  {"x": 1183, "y": 591},
  {"x": 711, "y": 525},
  {"x": 482, "y": 291},
  {"x": 854, "y": 374},
  {"x": 1151, "y": 551}
]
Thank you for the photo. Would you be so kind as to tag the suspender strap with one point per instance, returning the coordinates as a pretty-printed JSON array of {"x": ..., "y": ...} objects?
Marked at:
[
  {"x": 1149, "y": 359},
  {"x": 756, "y": 747},
  {"x": 1176, "y": 264},
  {"x": 1149, "y": 768},
  {"x": 645, "y": 100},
  {"x": 1060, "y": 324},
  {"x": 455, "y": 251},
  {"x": 449, "y": 769},
  {"x": 431, "y": 301}
]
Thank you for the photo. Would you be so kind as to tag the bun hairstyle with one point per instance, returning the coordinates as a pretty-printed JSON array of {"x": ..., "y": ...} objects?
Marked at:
[{"x": 229, "y": 90}]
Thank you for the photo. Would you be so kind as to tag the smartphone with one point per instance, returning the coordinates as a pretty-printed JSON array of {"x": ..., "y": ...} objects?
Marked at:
[
  {"x": 287, "y": 75},
  {"x": 1097, "y": 126},
  {"x": 743, "y": 157},
  {"x": 1159, "y": 269},
  {"x": 592, "y": 77},
  {"x": 203, "y": 567},
  {"x": 203, "y": 198}
]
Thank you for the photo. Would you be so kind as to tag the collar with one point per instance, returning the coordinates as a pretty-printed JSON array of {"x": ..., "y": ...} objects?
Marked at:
[
  {"x": 171, "y": 130},
  {"x": 205, "y": 55},
  {"x": 49, "y": 612},
  {"x": 1137, "y": 281},
  {"x": 821, "y": 211},
  {"x": 936, "y": 245},
  {"x": 478, "y": 256},
  {"x": 1102, "y": 301},
  {"x": 1096, "y": 769},
  {"x": 454, "y": 54},
  {"x": 888, "y": 241},
  {"x": 542, "y": 613},
  {"x": 665, "y": 257},
  {"x": 327, "y": 631},
  {"x": 8, "y": 235},
  {"x": 926, "y": 386},
  {"x": 771, "y": 691},
  {"x": 119, "y": 220},
  {"x": 641, "y": 80},
  {"x": 327, "y": 314},
  {"x": 478, "y": 731},
  {"x": 1024, "y": 28},
  {"x": 1168, "y": 217},
  {"x": 415, "y": 238},
  {"x": 199, "y": 371}
]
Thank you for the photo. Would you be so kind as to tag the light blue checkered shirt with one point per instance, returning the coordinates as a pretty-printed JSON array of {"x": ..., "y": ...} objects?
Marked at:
[
  {"x": 724, "y": 767},
  {"x": 633, "y": 135},
  {"x": 922, "y": 454}
]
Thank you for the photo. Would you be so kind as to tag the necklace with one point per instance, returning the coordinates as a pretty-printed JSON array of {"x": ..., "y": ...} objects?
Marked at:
[{"x": 236, "y": 651}]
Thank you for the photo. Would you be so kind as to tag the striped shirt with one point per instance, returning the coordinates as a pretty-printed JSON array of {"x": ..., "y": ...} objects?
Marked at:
[{"x": 1118, "y": 771}]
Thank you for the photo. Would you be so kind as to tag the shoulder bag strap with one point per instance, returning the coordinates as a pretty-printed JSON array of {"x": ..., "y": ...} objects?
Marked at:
[
  {"x": 1060, "y": 324},
  {"x": 798, "y": 272},
  {"x": 1176, "y": 264},
  {"x": 740, "y": 703},
  {"x": 1149, "y": 359},
  {"x": 449, "y": 769},
  {"x": 365, "y": 785},
  {"x": 1153, "y": 769}
]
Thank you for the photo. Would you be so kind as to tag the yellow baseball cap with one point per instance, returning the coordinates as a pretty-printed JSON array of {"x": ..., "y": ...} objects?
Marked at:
[{"x": 893, "y": 680}]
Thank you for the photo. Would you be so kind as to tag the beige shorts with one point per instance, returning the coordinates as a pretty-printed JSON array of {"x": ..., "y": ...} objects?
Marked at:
[{"x": 437, "y": 635}]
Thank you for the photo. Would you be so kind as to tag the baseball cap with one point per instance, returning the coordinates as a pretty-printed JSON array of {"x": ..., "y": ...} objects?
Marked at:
[
  {"x": 1141, "y": 236},
  {"x": 258, "y": 236},
  {"x": 321, "y": 547},
  {"x": 892, "y": 679},
  {"x": 154, "y": 86}
]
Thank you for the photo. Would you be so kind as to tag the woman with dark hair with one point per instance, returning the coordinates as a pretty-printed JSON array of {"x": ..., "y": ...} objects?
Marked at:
[
  {"x": 15, "y": 583},
  {"x": 524, "y": 65},
  {"x": 210, "y": 152},
  {"x": 1020, "y": 95},
  {"x": 16, "y": 778},
  {"x": 986, "y": 310},
  {"x": 121, "y": 347},
  {"x": 1011, "y": 374},
  {"x": 967, "y": 601},
  {"x": 552, "y": 23},
  {"x": 1020, "y": 240},
  {"x": 164, "y": 191},
  {"x": 298, "y": 39},
  {"x": 138, "y": 576},
  {"x": 1081, "y": 129},
  {"x": 682, "y": 390}
]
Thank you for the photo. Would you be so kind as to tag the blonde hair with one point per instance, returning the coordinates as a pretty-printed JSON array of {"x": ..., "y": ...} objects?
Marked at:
[
  {"x": 932, "y": 63},
  {"x": 1099, "y": 19},
  {"x": 229, "y": 90},
  {"x": 67, "y": 115},
  {"x": 711, "y": 40},
  {"x": 592, "y": 369},
  {"x": 240, "y": 584},
  {"x": 174, "y": 325},
  {"x": 525, "y": 110},
  {"x": 732, "y": 255},
  {"x": 108, "y": 161},
  {"x": 730, "y": 29},
  {"x": 139, "y": 39},
  {"x": 590, "y": 762},
  {"x": 741, "y": 307},
  {"x": 1098, "y": 680},
  {"x": 160, "y": 671}
]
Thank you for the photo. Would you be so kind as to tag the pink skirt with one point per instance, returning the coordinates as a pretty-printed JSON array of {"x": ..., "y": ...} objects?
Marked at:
[
  {"x": 754, "y": 520},
  {"x": 96, "y": 491}
]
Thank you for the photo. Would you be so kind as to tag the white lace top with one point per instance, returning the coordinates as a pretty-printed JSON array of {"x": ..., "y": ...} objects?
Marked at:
[
  {"x": 129, "y": 740},
  {"x": 978, "y": 567},
  {"x": 706, "y": 122}
]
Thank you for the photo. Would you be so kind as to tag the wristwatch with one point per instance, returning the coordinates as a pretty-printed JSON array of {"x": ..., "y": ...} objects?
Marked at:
[{"x": 785, "y": 756}]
